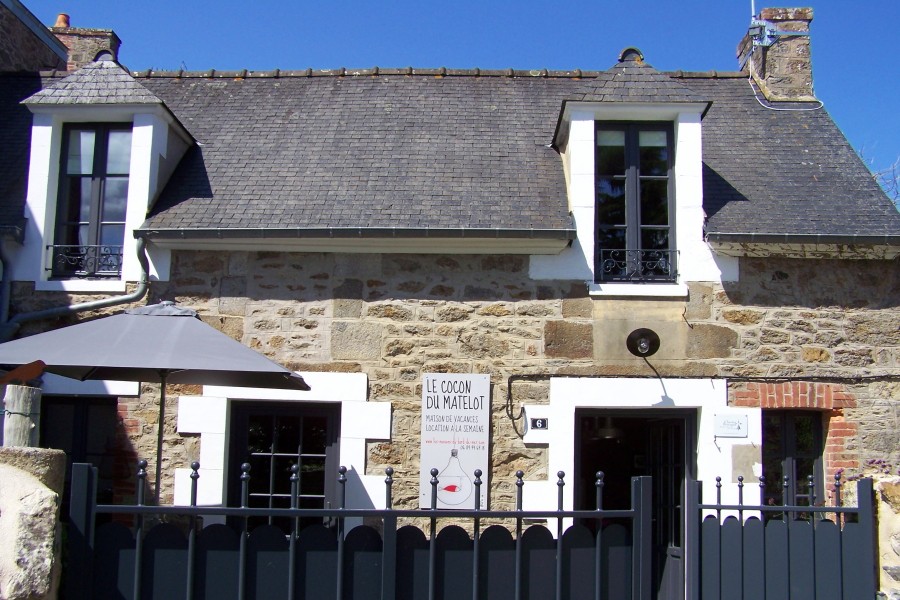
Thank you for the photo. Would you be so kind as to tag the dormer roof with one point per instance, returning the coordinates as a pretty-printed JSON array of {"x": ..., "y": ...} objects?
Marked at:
[
  {"x": 633, "y": 80},
  {"x": 101, "y": 82}
]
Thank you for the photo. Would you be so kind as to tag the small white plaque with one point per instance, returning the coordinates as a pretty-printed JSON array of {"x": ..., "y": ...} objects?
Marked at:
[{"x": 731, "y": 425}]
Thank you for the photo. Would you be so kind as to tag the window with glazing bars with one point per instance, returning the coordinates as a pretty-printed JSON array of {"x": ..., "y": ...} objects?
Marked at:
[{"x": 634, "y": 210}]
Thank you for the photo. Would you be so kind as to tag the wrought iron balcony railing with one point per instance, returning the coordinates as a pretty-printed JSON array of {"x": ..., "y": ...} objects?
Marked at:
[
  {"x": 102, "y": 261},
  {"x": 637, "y": 265}
]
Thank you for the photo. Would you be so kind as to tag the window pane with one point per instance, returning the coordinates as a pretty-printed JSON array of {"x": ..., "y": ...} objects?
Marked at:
[
  {"x": 610, "y": 239},
  {"x": 259, "y": 432},
  {"x": 654, "y": 239},
  {"x": 805, "y": 435},
  {"x": 281, "y": 476},
  {"x": 81, "y": 152},
  {"x": 654, "y": 153},
  {"x": 287, "y": 435},
  {"x": 314, "y": 435},
  {"x": 610, "y": 153},
  {"x": 312, "y": 476},
  {"x": 118, "y": 156},
  {"x": 115, "y": 199},
  {"x": 654, "y": 202},
  {"x": 259, "y": 474},
  {"x": 611, "y": 201},
  {"x": 112, "y": 235},
  {"x": 77, "y": 208}
]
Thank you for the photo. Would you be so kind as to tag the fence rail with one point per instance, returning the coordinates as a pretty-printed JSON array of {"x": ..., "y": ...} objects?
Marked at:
[{"x": 604, "y": 555}]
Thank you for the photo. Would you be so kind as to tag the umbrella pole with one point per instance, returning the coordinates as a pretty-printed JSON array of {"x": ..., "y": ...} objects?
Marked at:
[{"x": 159, "y": 434}]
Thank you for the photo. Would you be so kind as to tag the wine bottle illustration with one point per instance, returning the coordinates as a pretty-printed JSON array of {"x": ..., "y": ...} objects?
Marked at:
[{"x": 455, "y": 486}]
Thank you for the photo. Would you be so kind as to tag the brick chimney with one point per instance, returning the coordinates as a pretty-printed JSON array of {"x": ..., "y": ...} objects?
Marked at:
[
  {"x": 776, "y": 52},
  {"x": 84, "y": 44}
]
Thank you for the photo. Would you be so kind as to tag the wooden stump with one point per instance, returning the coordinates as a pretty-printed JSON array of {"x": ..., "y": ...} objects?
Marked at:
[{"x": 22, "y": 416}]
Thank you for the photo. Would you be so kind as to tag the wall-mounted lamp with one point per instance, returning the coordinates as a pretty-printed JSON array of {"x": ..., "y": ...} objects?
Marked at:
[{"x": 642, "y": 342}]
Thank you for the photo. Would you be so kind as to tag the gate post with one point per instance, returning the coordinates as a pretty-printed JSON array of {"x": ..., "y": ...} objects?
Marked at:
[
  {"x": 82, "y": 505},
  {"x": 866, "y": 504},
  {"x": 693, "y": 491},
  {"x": 641, "y": 539}
]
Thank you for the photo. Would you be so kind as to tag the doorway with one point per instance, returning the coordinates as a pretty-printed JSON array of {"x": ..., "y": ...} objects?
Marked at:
[{"x": 625, "y": 444}]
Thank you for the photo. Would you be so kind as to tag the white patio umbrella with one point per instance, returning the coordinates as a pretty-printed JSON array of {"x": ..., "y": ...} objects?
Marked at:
[{"x": 161, "y": 343}]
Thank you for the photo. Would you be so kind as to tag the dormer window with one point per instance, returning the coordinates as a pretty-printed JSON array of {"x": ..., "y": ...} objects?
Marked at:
[
  {"x": 634, "y": 202},
  {"x": 93, "y": 198}
]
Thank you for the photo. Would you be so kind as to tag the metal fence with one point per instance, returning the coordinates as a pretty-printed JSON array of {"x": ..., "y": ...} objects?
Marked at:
[
  {"x": 750, "y": 551},
  {"x": 605, "y": 554}
]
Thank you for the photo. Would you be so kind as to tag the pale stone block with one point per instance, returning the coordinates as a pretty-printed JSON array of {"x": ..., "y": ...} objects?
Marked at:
[
  {"x": 355, "y": 340},
  {"x": 28, "y": 513}
]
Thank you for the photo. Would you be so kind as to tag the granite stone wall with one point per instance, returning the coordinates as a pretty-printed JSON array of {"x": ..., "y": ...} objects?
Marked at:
[
  {"x": 827, "y": 329},
  {"x": 831, "y": 324}
]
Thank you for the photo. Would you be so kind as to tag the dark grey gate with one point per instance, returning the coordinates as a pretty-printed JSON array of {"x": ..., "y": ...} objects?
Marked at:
[
  {"x": 178, "y": 559},
  {"x": 784, "y": 552}
]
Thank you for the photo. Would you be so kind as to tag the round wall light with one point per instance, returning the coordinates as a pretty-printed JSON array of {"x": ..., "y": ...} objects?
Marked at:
[{"x": 642, "y": 342}]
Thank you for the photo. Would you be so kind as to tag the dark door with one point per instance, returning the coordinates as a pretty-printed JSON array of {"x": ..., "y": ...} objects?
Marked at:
[
  {"x": 274, "y": 436},
  {"x": 625, "y": 444}
]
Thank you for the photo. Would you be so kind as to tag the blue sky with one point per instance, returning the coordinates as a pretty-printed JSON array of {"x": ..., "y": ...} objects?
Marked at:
[{"x": 854, "y": 43}]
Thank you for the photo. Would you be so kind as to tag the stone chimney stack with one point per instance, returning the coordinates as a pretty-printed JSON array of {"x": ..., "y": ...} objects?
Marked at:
[
  {"x": 776, "y": 53},
  {"x": 84, "y": 44}
]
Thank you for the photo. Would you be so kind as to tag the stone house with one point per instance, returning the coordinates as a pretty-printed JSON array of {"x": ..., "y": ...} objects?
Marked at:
[{"x": 683, "y": 274}]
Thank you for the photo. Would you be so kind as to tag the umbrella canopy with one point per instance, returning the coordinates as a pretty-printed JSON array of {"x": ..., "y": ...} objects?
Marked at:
[
  {"x": 160, "y": 343},
  {"x": 152, "y": 343}
]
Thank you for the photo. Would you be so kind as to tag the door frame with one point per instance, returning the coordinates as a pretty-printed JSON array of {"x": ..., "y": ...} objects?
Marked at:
[{"x": 689, "y": 417}]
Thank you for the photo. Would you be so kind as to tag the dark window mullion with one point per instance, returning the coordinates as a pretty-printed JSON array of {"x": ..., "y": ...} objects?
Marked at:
[{"x": 632, "y": 189}]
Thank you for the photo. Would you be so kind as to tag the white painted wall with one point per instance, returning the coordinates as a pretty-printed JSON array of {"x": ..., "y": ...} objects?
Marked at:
[
  {"x": 707, "y": 396},
  {"x": 360, "y": 421}
]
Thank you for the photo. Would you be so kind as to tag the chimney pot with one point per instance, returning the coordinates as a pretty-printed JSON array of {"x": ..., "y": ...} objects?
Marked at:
[{"x": 62, "y": 20}]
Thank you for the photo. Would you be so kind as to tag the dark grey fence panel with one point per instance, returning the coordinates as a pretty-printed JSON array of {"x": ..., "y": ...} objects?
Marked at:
[
  {"x": 754, "y": 559},
  {"x": 165, "y": 563},
  {"x": 454, "y": 564},
  {"x": 857, "y": 574},
  {"x": 412, "y": 563},
  {"x": 732, "y": 552},
  {"x": 803, "y": 560},
  {"x": 828, "y": 561},
  {"x": 579, "y": 553},
  {"x": 538, "y": 563},
  {"x": 267, "y": 563},
  {"x": 114, "y": 553},
  {"x": 711, "y": 551},
  {"x": 216, "y": 563},
  {"x": 362, "y": 565},
  {"x": 617, "y": 554},
  {"x": 778, "y": 572},
  {"x": 316, "y": 565},
  {"x": 497, "y": 564}
]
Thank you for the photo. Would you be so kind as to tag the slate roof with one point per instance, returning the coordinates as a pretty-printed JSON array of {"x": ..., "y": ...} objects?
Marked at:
[
  {"x": 418, "y": 152},
  {"x": 633, "y": 80},
  {"x": 440, "y": 149},
  {"x": 101, "y": 82},
  {"x": 783, "y": 172}
]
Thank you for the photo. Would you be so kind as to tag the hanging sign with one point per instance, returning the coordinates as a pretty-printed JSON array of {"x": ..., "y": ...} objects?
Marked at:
[{"x": 456, "y": 428}]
